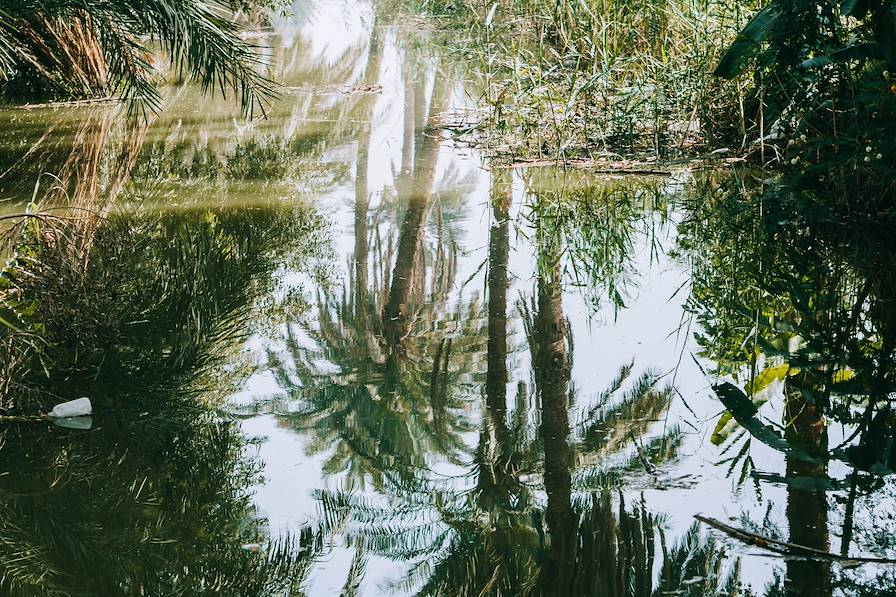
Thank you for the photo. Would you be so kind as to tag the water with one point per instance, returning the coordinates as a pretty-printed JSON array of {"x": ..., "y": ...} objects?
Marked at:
[{"x": 342, "y": 354}]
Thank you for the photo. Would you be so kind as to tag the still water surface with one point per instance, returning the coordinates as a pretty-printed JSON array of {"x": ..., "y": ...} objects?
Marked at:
[{"x": 352, "y": 357}]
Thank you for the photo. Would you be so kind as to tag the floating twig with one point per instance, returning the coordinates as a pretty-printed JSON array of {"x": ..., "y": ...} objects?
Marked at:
[
  {"x": 72, "y": 103},
  {"x": 784, "y": 548}
]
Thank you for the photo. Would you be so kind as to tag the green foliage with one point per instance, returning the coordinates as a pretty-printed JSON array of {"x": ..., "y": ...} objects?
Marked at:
[
  {"x": 590, "y": 226},
  {"x": 793, "y": 301},
  {"x": 157, "y": 499},
  {"x": 749, "y": 41},
  {"x": 70, "y": 49},
  {"x": 825, "y": 106},
  {"x": 146, "y": 277}
]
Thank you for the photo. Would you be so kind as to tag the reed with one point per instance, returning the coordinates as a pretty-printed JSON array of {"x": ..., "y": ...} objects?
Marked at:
[{"x": 600, "y": 78}]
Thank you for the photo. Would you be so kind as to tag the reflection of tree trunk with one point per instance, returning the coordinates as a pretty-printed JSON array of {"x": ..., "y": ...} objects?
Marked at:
[
  {"x": 396, "y": 320},
  {"x": 498, "y": 255},
  {"x": 807, "y": 510},
  {"x": 362, "y": 191},
  {"x": 496, "y": 374},
  {"x": 551, "y": 363},
  {"x": 361, "y": 252},
  {"x": 405, "y": 180}
]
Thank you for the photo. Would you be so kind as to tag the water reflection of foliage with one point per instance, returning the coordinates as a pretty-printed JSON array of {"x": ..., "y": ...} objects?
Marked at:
[
  {"x": 157, "y": 500},
  {"x": 797, "y": 302},
  {"x": 391, "y": 358},
  {"x": 106, "y": 512},
  {"x": 379, "y": 409},
  {"x": 257, "y": 158},
  {"x": 596, "y": 224},
  {"x": 461, "y": 551},
  {"x": 490, "y": 531},
  {"x": 622, "y": 415},
  {"x": 775, "y": 284},
  {"x": 166, "y": 284}
]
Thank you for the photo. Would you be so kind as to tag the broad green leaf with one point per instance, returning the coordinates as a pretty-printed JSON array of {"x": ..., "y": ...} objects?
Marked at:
[
  {"x": 745, "y": 411},
  {"x": 864, "y": 51},
  {"x": 766, "y": 377},
  {"x": 748, "y": 42}
]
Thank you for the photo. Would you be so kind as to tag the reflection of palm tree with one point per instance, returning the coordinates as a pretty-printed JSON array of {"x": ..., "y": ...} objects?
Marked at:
[
  {"x": 498, "y": 472},
  {"x": 697, "y": 565},
  {"x": 393, "y": 399},
  {"x": 362, "y": 192},
  {"x": 396, "y": 317},
  {"x": 490, "y": 538},
  {"x": 568, "y": 568},
  {"x": 372, "y": 413},
  {"x": 621, "y": 414},
  {"x": 550, "y": 359},
  {"x": 464, "y": 543},
  {"x": 382, "y": 412}
]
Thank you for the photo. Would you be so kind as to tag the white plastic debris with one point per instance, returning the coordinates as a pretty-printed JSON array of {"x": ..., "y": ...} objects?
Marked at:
[
  {"x": 73, "y": 408},
  {"x": 82, "y": 423}
]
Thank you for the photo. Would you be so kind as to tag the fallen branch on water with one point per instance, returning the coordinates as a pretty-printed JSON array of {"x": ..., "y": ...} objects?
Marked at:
[
  {"x": 784, "y": 548},
  {"x": 71, "y": 103}
]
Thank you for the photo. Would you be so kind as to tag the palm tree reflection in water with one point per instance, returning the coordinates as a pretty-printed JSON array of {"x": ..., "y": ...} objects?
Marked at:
[{"x": 496, "y": 529}]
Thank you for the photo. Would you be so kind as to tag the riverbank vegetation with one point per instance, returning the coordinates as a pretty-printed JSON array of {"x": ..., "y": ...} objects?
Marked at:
[
  {"x": 804, "y": 86},
  {"x": 146, "y": 311},
  {"x": 574, "y": 79}
]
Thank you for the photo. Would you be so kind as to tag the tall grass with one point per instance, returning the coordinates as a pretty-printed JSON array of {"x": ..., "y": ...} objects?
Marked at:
[{"x": 603, "y": 78}]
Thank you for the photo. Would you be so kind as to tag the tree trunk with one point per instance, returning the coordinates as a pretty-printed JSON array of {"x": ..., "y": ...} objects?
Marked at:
[{"x": 551, "y": 364}]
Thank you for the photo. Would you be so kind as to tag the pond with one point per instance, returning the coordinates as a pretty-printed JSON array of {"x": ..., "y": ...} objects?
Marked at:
[{"x": 337, "y": 351}]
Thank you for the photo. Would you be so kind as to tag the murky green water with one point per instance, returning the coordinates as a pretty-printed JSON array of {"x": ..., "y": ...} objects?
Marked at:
[{"x": 333, "y": 352}]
